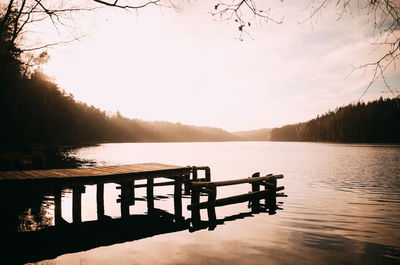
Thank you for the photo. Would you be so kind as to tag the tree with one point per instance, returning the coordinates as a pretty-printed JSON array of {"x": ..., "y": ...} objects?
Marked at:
[{"x": 385, "y": 18}]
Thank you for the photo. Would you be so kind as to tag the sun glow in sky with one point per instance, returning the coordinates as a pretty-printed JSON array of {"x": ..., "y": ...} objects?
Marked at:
[{"x": 189, "y": 67}]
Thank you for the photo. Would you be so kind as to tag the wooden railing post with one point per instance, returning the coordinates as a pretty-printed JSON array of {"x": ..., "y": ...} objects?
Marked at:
[
  {"x": 178, "y": 198},
  {"x": 186, "y": 184},
  {"x": 100, "y": 201},
  {"x": 194, "y": 173},
  {"x": 150, "y": 194},
  {"x": 77, "y": 203},
  {"x": 208, "y": 174},
  {"x": 57, "y": 206},
  {"x": 270, "y": 200},
  {"x": 132, "y": 192},
  {"x": 211, "y": 203},
  {"x": 195, "y": 200},
  {"x": 124, "y": 200},
  {"x": 255, "y": 186}
]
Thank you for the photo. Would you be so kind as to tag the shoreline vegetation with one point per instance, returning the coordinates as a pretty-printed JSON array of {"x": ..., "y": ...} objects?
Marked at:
[
  {"x": 41, "y": 124},
  {"x": 377, "y": 121}
]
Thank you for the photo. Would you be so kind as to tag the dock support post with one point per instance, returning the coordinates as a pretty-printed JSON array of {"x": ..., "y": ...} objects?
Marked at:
[
  {"x": 150, "y": 194},
  {"x": 132, "y": 192},
  {"x": 194, "y": 173},
  {"x": 186, "y": 184},
  {"x": 57, "y": 206},
  {"x": 100, "y": 201},
  {"x": 124, "y": 200},
  {"x": 178, "y": 198},
  {"x": 270, "y": 200},
  {"x": 77, "y": 203},
  {"x": 194, "y": 201},
  {"x": 208, "y": 174},
  {"x": 255, "y": 186},
  {"x": 212, "y": 218}
]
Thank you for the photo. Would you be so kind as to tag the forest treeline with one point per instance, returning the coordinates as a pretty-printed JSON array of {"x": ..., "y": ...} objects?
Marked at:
[
  {"x": 254, "y": 135},
  {"x": 35, "y": 110},
  {"x": 40, "y": 123},
  {"x": 374, "y": 122}
]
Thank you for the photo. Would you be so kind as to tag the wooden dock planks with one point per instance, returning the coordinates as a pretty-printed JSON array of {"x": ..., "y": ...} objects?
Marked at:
[{"x": 94, "y": 175}]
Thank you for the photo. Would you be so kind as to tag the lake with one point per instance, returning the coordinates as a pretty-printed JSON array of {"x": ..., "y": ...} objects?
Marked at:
[{"x": 342, "y": 205}]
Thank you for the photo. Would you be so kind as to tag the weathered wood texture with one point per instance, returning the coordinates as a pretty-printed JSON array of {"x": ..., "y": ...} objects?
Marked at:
[
  {"x": 238, "y": 181},
  {"x": 231, "y": 200},
  {"x": 94, "y": 175}
]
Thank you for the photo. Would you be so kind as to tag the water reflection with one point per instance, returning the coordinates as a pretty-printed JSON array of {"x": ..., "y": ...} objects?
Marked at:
[
  {"x": 343, "y": 206},
  {"x": 32, "y": 224},
  {"x": 25, "y": 210}
]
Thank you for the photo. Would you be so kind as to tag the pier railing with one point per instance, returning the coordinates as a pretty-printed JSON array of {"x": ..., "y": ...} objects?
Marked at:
[{"x": 269, "y": 182}]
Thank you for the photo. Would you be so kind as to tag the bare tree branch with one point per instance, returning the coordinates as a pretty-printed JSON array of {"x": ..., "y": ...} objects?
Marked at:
[
  {"x": 385, "y": 15},
  {"x": 48, "y": 45},
  {"x": 115, "y": 4},
  {"x": 243, "y": 12}
]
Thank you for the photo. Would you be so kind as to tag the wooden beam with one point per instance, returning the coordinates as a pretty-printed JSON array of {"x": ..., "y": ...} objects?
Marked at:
[
  {"x": 195, "y": 200},
  {"x": 238, "y": 181},
  {"x": 211, "y": 204},
  {"x": 150, "y": 194},
  {"x": 132, "y": 192},
  {"x": 178, "y": 197},
  {"x": 77, "y": 203},
  {"x": 186, "y": 184},
  {"x": 229, "y": 200},
  {"x": 100, "y": 201},
  {"x": 57, "y": 206},
  {"x": 194, "y": 173},
  {"x": 125, "y": 200},
  {"x": 255, "y": 187},
  {"x": 167, "y": 183}
]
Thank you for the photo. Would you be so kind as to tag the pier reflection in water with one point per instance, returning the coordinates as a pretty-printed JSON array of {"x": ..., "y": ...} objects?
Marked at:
[{"x": 33, "y": 226}]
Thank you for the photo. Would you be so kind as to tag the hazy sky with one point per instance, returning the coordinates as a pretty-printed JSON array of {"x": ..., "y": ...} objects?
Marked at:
[{"x": 189, "y": 67}]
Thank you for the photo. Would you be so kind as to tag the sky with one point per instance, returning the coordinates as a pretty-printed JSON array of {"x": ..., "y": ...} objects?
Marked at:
[{"x": 190, "y": 67}]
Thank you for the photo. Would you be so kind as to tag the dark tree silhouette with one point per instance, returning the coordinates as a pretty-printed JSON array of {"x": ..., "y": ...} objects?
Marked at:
[
  {"x": 384, "y": 15},
  {"x": 375, "y": 122}
]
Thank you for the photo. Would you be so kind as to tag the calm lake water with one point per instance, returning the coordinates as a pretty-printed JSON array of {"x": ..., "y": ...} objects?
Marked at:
[{"x": 343, "y": 205}]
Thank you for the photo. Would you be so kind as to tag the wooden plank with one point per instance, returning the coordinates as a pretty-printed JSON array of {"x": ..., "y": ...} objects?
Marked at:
[
  {"x": 54, "y": 174},
  {"x": 230, "y": 200},
  {"x": 167, "y": 183},
  {"x": 237, "y": 181},
  {"x": 9, "y": 174},
  {"x": 92, "y": 172}
]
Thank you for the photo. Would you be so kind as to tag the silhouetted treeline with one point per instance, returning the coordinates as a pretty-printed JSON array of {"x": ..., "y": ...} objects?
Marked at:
[
  {"x": 35, "y": 110},
  {"x": 375, "y": 122},
  {"x": 255, "y": 135}
]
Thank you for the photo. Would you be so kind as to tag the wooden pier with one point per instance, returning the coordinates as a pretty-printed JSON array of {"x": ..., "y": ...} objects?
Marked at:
[
  {"x": 126, "y": 175},
  {"x": 62, "y": 237}
]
